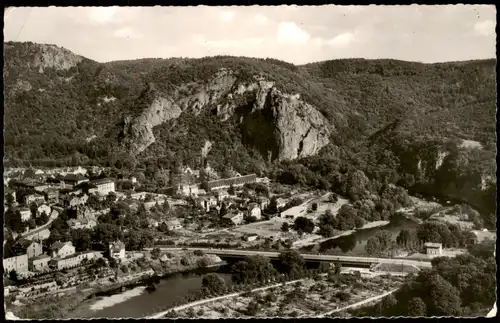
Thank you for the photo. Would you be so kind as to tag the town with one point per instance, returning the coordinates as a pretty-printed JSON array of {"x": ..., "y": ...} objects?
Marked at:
[{"x": 77, "y": 228}]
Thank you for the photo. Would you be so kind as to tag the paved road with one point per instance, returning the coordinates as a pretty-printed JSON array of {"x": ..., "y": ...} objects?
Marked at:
[{"x": 311, "y": 257}]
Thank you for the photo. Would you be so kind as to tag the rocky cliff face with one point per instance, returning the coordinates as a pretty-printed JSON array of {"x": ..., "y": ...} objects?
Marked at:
[
  {"x": 50, "y": 56},
  {"x": 280, "y": 126}
]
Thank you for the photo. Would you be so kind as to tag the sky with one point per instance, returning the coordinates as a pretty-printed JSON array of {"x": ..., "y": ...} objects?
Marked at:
[{"x": 296, "y": 34}]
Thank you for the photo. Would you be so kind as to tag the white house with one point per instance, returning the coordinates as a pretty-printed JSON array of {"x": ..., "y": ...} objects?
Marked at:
[
  {"x": 43, "y": 208},
  {"x": 234, "y": 217},
  {"x": 254, "y": 210},
  {"x": 117, "y": 250},
  {"x": 17, "y": 263},
  {"x": 433, "y": 249},
  {"x": 62, "y": 249},
  {"x": 25, "y": 214},
  {"x": 36, "y": 198},
  {"x": 102, "y": 186},
  {"x": 81, "y": 223}
]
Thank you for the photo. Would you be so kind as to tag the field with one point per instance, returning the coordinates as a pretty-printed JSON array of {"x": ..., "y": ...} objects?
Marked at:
[{"x": 308, "y": 298}]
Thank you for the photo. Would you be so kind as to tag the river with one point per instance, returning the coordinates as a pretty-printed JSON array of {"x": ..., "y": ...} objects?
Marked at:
[
  {"x": 138, "y": 302},
  {"x": 354, "y": 244}
]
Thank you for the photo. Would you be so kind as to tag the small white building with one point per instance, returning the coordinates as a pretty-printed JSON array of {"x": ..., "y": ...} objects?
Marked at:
[
  {"x": 234, "y": 217},
  {"x": 17, "y": 263},
  {"x": 254, "y": 210},
  {"x": 25, "y": 214},
  {"x": 62, "y": 249},
  {"x": 117, "y": 250},
  {"x": 433, "y": 249},
  {"x": 43, "y": 208},
  {"x": 33, "y": 198}
]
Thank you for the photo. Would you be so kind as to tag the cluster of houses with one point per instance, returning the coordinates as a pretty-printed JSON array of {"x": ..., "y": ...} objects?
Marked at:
[{"x": 28, "y": 256}]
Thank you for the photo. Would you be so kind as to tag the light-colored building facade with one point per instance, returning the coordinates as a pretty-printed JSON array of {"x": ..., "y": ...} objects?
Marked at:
[
  {"x": 255, "y": 211},
  {"x": 234, "y": 217},
  {"x": 43, "y": 209},
  {"x": 17, "y": 263},
  {"x": 40, "y": 263},
  {"x": 62, "y": 249},
  {"x": 34, "y": 198},
  {"x": 25, "y": 214},
  {"x": 117, "y": 250},
  {"x": 70, "y": 261},
  {"x": 433, "y": 249},
  {"x": 174, "y": 224},
  {"x": 102, "y": 186},
  {"x": 24, "y": 246}
]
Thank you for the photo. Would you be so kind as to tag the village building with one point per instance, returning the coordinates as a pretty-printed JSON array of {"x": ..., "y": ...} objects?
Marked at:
[
  {"x": 40, "y": 263},
  {"x": 82, "y": 223},
  {"x": 52, "y": 195},
  {"x": 17, "y": 263},
  {"x": 254, "y": 210},
  {"x": 102, "y": 187},
  {"x": 153, "y": 223},
  {"x": 34, "y": 198},
  {"x": 25, "y": 214},
  {"x": 70, "y": 261},
  {"x": 280, "y": 203},
  {"x": 206, "y": 202},
  {"x": 234, "y": 181},
  {"x": 251, "y": 237},
  {"x": 234, "y": 217},
  {"x": 433, "y": 249},
  {"x": 62, "y": 249},
  {"x": 263, "y": 202},
  {"x": 173, "y": 225},
  {"x": 71, "y": 180},
  {"x": 138, "y": 195},
  {"x": 30, "y": 248},
  {"x": 72, "y": 201},
  {"x": 187, "y": 190},
  {"x": 221, "y": 195},
  {"x": 43, "y": 209},
  {"x": 117, "y": 250}
]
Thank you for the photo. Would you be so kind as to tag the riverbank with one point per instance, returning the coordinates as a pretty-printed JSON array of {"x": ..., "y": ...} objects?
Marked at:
[
  {"x": 305, "y": 297},
  {"x": 62, "y": 305},
  {"x": 319, "y": 239}
]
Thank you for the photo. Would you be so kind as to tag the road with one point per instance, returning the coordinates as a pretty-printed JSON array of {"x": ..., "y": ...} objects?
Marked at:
[
  {"x": 54, "y": 215},
  {"x": 310, "y": 257}
]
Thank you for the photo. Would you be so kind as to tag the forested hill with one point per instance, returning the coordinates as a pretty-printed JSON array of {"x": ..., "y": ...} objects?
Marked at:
[{"x": 399, "y": 121}]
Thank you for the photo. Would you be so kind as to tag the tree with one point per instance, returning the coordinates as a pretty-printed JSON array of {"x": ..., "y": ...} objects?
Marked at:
[
  {"x": 407, "y": 238},
  {"x": 214, "y": 283},
  {"x": 13, "y": 276},
  {"x": 380, "y": 243},
  {"x": 9, "y": 199},
  {"x": 32, "y": 223},
  {"x": 359, "y": 222},
  {"x": 291, "y": 261},
  {"x": 444, "y": 298},
  {"x": 155, "y": 253},
  {"x": 285, "y": 227},
  {"x": 252, "y": 268},
  {"x": 253, "y": 308},
  {"x": 231, "y": 191},
  {"x": 416, "y": 307},
  {"x": 304, "y": 224},
  {"x": 314, "y": 206},
  {"x": 223, "y": 209}
]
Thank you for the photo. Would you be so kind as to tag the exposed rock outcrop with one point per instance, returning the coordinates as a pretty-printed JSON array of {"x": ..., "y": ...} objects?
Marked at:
[
  {"x": 279, "y": 125},
  {"x": 139, "y": 131},
  {"x": 50, "y": 56}
]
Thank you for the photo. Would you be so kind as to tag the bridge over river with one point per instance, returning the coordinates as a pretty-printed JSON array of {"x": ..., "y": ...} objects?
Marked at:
[{"x": 345, "y": 260}]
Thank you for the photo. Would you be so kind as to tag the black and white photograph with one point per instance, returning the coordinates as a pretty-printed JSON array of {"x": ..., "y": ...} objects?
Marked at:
[{"x": 222, "y": 162}]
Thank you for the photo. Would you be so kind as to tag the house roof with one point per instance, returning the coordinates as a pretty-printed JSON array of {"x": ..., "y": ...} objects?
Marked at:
[
  {"x": 117, "y": 245},
  {"x": 24, "y": 209},
  {"x": 42, "y": 257},
  {"x": 481, "y": 235},
  {"x": 231, "y": 215},
  {"x": 102, "y": 181},
  {"x": 72, "y": 177},
  {"x": 433, "y": 245},
  {"x": 23, "y": 243},
  {"x": 56, "y": 246}
]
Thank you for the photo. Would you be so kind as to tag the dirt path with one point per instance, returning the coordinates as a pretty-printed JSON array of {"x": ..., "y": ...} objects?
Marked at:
[
  {"x": 210, "y": 300},
  {"x": 368, "y": 300}
]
